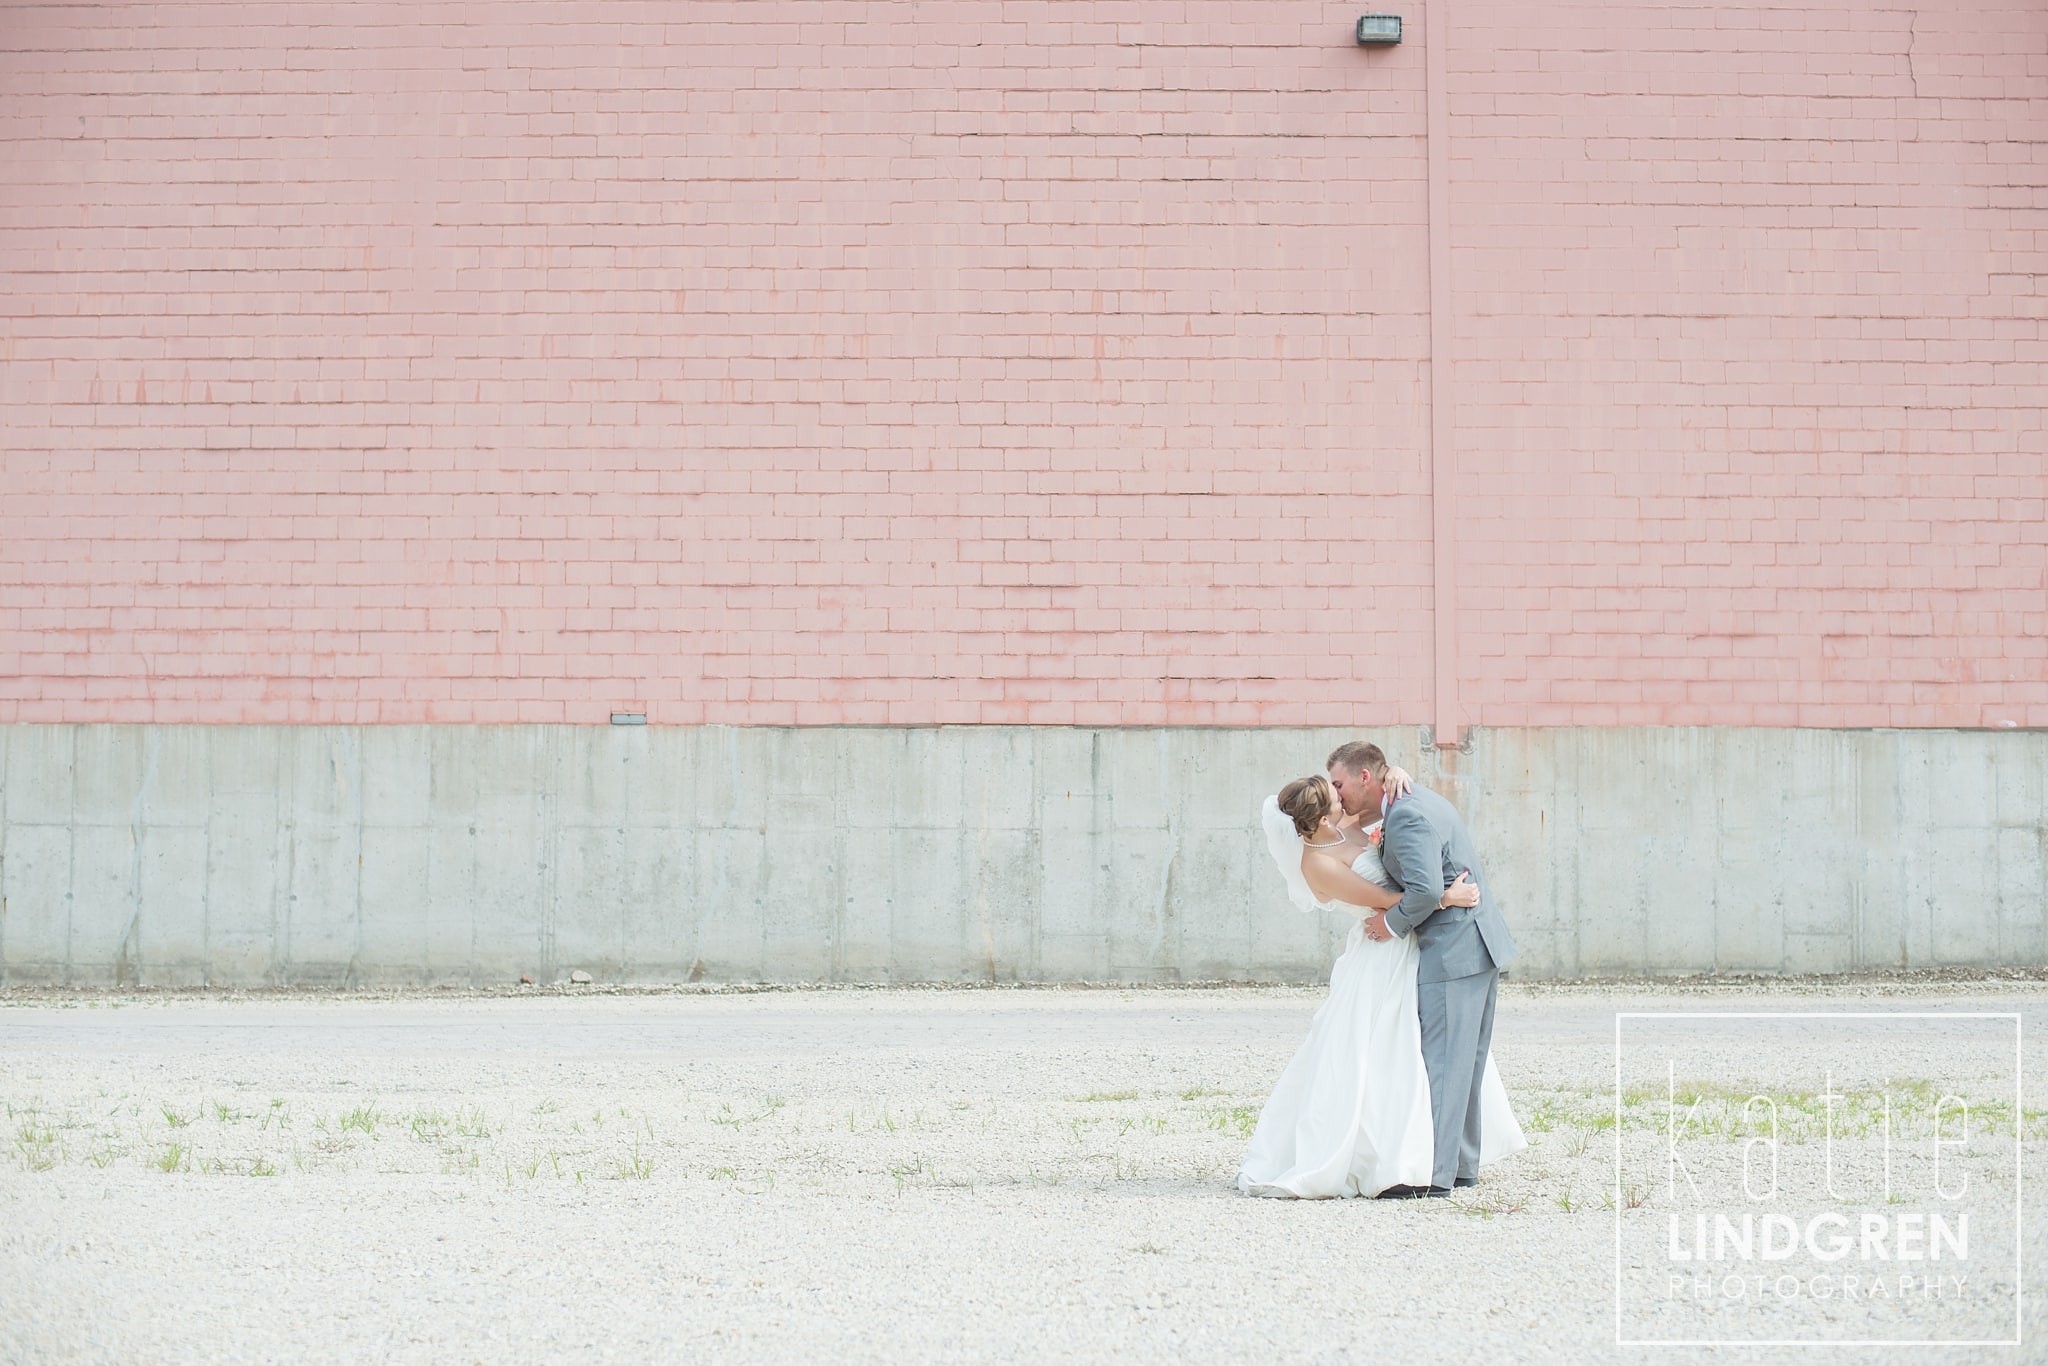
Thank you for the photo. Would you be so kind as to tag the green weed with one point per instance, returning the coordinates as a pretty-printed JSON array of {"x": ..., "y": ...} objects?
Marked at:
[{"x": 1238, "y": 1121}]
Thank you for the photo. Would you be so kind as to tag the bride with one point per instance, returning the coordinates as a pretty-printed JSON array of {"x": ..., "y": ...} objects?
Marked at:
[{"x": 1350, "y": 1115}]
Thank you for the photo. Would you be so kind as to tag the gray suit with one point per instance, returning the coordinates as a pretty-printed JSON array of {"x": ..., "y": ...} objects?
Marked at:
[{"x": 1463, "y": 949}]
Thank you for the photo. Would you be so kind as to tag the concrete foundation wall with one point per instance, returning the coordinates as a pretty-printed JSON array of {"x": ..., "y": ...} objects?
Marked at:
[{"x": 245, "y": 855}]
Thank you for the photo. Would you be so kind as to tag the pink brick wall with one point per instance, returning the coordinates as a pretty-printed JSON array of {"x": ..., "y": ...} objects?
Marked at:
[
  {"x": 1751, "y": 363},
  {"x": 1066, "y": 363}
]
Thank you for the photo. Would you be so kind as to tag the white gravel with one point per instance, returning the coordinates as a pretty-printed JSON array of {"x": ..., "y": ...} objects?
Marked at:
[{"x": 845, "y": 1175}]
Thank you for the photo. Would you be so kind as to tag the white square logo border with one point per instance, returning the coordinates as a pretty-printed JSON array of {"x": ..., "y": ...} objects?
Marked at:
[{"x": 2019, "y": 1163}]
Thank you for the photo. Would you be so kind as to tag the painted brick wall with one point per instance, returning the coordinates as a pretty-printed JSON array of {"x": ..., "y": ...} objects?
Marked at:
[
  {"x": 1004, "y": 362},
  {"x": 1751, "y": 363}
]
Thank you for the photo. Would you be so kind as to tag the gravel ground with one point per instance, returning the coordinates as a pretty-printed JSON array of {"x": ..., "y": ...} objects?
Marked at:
[{"x": 853, "y": 1175}]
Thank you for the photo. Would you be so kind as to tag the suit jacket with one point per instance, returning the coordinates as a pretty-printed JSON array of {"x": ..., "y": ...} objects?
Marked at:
[{"x": 1425, "y": 845}]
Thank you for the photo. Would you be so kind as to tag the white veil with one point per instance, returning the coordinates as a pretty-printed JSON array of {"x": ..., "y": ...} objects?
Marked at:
[{"x": 1284, "y": 844}]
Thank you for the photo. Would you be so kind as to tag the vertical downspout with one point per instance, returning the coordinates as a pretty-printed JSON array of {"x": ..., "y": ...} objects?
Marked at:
[{"x": 1442, "y": 404}]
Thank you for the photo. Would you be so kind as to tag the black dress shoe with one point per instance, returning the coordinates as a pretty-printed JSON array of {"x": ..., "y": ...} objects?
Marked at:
[
  {"x": 1436, "y": 1192},
  {"x": 1404, "y": 1192},
  {"x": 1466, "y": 1181}
]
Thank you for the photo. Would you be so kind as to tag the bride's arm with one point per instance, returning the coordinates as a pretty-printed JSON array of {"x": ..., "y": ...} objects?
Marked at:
[{"x": 1332, "y": 881}]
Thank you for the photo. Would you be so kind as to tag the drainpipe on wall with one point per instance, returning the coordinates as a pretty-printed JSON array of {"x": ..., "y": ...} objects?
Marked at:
[{"x": 1442, "y": 404}]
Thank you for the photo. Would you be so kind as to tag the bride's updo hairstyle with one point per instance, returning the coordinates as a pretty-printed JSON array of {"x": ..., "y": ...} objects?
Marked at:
[{"x": 1306, "y": 801}]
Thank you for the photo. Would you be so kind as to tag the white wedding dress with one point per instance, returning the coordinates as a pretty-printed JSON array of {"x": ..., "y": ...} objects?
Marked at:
[{"x": 1350, "y": 1115}]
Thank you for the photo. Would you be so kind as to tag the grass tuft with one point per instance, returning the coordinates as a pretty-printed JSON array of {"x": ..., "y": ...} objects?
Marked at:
[{"x": 1238, "y": 1121}]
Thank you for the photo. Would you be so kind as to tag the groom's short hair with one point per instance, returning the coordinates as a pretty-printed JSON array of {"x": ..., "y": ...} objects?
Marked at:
[{"x": 1359, "y": 757}]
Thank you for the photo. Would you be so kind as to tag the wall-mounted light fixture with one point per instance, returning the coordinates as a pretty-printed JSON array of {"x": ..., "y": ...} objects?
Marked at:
[{"x": 1379, "y": 28}]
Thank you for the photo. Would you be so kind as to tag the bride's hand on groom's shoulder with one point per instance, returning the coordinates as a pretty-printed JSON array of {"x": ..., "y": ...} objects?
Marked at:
[{"x": 1399, "y": 783}]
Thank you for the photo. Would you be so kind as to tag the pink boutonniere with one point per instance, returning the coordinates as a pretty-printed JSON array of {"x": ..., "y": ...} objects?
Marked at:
[{"x": 1375, "y": 835}]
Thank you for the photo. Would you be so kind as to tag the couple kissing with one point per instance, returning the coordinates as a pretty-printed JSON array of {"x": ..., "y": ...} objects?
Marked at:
[{"x": 1394, "y": 1092}]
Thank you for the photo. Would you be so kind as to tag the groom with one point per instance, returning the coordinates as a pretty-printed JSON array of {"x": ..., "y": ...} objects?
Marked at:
[{"x": 1425, "y": 846}]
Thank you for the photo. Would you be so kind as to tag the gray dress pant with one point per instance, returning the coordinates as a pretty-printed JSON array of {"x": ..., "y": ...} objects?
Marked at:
[{"x": 1457, "y": 1031}]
